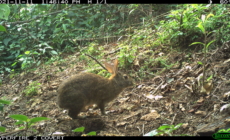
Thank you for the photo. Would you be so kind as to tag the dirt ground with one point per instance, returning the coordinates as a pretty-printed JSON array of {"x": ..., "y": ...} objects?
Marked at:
[{"x": 175, "y": 96}]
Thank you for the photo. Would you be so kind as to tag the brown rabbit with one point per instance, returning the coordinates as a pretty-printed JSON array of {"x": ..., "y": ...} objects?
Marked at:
[{"x": 85, "y": 89}]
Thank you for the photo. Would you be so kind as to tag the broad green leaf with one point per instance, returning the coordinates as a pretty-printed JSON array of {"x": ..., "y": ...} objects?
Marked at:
[
  {"x": 2, "y": 28},
  {"x": 4, "y": 102},
  {"x": 6, "y": 41},
  {"x": 19, "y": 117},
  {"x": 163, "y": 127},
  {"x": 93, "y": 133},
  {"x": 4, "y": 11},
  {"x": 39, "y": 62},
  {"x": 200, "y": 63},
  {"x": 2, "y": 129},
  {"x": 20, "y": 56},
  {"x": 79, "y": 129},
  {"x": 14, "y": 63},
  {"x": 27, "y": 52},
  {"x": 37, "y": 119},
  {"x": 64, "y": 27},
  {"x": 53, "y": 52},
  {"x": 130, "y": 60},
  {"x": 201, "y": 27}
]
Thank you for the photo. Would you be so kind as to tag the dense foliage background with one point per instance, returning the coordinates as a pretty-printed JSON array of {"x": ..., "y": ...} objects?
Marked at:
[{"x": 32, "y": 34}]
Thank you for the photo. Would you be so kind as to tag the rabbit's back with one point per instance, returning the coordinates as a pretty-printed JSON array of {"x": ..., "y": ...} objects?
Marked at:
[{"x": 80, "y": 89}]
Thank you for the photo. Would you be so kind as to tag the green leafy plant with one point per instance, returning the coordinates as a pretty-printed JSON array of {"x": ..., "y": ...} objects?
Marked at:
[
  {"x": 26, "y": 122},
  {"x": 127, "y": 55},
  {"x": 81, "y": 129},
  {"x": 202, "y": 26},
  {"x": 209, "y": 78},
  {"x": 165, "y": 130},
  {"x": 92, "y": 49},
  {"x": 32, "y": 89}
]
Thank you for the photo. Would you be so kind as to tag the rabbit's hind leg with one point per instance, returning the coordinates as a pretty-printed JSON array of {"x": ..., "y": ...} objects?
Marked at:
[{"x": 74, "y": 111}]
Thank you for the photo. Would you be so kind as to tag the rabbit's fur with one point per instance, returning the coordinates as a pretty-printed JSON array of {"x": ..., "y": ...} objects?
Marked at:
[{"x": 85, "y": 89}]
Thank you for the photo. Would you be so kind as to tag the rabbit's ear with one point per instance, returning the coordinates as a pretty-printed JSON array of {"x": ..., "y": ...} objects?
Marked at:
[
  {"x": 115, "y": 66},
  {"x": 109, "y": 67}
]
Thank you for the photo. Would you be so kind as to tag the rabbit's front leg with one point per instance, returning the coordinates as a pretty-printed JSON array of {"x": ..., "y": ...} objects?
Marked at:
[{"x": 101, "y": 105}]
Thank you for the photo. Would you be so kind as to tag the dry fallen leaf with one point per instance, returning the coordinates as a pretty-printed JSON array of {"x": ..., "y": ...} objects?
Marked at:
[
  {"x": 122, "y": 100},
  {"x": 157, "y": 97},
  {"x": 201, "y": 100},
  {"x": 128, "y": 106},
  {"x": 161, "y": 54},
  {"x": 58, "y": 134},
  {"x": 150, "y": 96},
  {"x": 36, "y": 101},
  {"x": 192, "y": 110},
  {"x": 227, "y": 121},
  {"x": 139, "y": 86},
  {"x": 15, "y": 99},
  {"x": 122, "y": 123},
  {"x": 226, "y": 95},
  {"x": 216, "y": 107},
  {"x": 184, "y": 125},
  {"x": 151, "y": 116},
  {"x": 181, "y": 107},
  {"x": 203, "y": 113},
  {"x": 132, "y": 114},
  {"x": 136, "y": 62},
  {"x": 190, "y": 88},
  {"x": 208, "y": 87}
]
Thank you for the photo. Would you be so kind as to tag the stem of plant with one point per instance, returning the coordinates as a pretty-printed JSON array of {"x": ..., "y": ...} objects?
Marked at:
[{"x": 205, "y": 57}]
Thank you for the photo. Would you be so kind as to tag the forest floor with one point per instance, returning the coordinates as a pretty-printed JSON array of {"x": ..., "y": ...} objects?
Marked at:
[{"x": 172, "y": 97}]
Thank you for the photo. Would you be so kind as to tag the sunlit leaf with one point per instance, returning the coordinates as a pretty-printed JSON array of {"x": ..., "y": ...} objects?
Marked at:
[
  {"x": 19, "y": 117},
  {"x": 2, "y": 129},
  {"x": 196, "y": 43},
  {"x": 37, "y": 119},
  {"x": 27, "y": 52},
  {"x": 210, "y": 43},
  {"x": 2, "y": 28},
  {"x": 199, "y": 63},
  {"x": 200, "y": 26},
  {"x": 209, "y": 15},
  {"x": 4, "y": 102},
  {"x": 93, "y": 133},
  {"x": 79, "y": 129}
]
